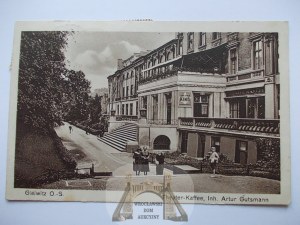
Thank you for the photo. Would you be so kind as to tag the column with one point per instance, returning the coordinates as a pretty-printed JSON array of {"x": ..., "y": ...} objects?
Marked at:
[{"x": 270, "y": 99}]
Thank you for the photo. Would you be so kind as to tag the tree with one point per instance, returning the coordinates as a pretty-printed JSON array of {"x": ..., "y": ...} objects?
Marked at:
[
  {"x": 95, "y": 109},
  {"x": 77, "y": 97},
  {"x": 42, "y": 63}
]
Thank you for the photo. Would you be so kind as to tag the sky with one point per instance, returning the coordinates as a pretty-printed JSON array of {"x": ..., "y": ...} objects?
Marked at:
[{"x": 96, "y": 53}]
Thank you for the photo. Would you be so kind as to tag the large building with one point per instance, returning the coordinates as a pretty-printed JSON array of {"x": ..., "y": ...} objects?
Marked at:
[{"x": 201, "y": 90}]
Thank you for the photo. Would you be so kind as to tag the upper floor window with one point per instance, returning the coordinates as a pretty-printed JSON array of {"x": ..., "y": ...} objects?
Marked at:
[
  {"x": 202, "y": 38},
  {"x": 180, "y": 48},
  {"x": 257, "y": 55},
  {"x": 233, "y": 61},
  {"x": 131, "y": 90},
  {"x": 190, "y": 40},
  {"x": 216, "y": 35}
]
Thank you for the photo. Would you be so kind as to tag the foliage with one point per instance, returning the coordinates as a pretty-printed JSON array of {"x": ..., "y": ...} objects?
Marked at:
[
  {"x": 268, "y": 153},
  {"x": 47, "y": 90},
  {"x": 76, "y": 98},
  {"x": 95, "y": 109},
  {"x": 40, "y": 78}
]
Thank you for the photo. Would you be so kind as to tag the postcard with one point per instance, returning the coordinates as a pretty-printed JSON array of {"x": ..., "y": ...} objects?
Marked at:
[{"x": 144, "y": 112}]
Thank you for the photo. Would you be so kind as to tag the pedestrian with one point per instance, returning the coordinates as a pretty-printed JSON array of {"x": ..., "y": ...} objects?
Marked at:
[
  {"x": 87, "y": 130},
  {"x": 159, "y": 161},
  {"x": 145, "y": 160},
  {"x": 137, "y": 161},
  {"x": 214, "y": 159},
  {"x": 70, "y": 128}
]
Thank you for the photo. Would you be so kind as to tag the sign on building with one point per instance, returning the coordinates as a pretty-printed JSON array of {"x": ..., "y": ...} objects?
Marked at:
[{"x": 185, "y": 99}]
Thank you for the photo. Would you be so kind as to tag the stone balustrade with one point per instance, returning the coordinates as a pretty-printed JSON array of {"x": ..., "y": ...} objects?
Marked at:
[
  {"x": 245, "y": 124},
  {"x": 126, "y": 118}
]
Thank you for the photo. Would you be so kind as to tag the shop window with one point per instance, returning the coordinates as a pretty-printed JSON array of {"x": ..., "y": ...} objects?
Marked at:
[
  {"x": 200, "y": 105},
  {"x": 241, "y": 152},
  {"x": 247, "y": 108}
]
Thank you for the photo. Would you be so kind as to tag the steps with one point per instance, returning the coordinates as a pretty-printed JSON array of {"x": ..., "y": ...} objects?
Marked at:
[{"x": 118, "y": 138}]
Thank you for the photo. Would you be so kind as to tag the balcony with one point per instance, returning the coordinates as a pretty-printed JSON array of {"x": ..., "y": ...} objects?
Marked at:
[
  {"x": 126, "y": 118},
  {"x": 163, "y": 122},
  {"x": 257, "y": 74},
  {"x": 234, "y": 124}
]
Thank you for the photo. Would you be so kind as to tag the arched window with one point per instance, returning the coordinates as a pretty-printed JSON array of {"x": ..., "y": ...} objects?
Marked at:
[
  {"x": 168, "y": 56},
  {"x": 161, "y": 142}
]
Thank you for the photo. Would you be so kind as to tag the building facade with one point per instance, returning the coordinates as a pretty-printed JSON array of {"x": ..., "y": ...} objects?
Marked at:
[{"x": 201, "y": 90}]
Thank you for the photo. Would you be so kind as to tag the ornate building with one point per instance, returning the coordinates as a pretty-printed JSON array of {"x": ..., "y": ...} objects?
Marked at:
[{"x": 201, "y": 90}]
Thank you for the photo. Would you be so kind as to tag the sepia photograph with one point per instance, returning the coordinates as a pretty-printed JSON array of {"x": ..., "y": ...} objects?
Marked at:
[{"x": 193, "y": 116}]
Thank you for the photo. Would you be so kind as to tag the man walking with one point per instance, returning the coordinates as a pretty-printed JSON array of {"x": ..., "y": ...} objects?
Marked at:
[{"x": 70, "y": 128}]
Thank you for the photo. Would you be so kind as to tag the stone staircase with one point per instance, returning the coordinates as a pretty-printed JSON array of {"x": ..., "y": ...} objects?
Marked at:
[{"x": 118, "y": 138}]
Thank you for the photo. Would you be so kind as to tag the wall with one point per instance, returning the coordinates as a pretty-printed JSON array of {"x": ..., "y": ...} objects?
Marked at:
[
  {"x": 170, "y": 132},
  {"x": 244, "y": 51}
]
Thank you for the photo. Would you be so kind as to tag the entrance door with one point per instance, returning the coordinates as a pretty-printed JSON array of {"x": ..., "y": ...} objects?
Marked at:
[
  {"x": 241, "y": 152},
  {"x": 169, "y": 108},
  {"x": 184, "y": 140},
  {"x": 201, "y": 145}
]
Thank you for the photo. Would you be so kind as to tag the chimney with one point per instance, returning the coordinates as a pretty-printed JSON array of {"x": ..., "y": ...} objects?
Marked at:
[{"x": 120, "y": 64}]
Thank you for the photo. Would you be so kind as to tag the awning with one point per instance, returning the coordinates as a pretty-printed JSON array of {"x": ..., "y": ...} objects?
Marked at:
[{"x": 208, "y": 61}]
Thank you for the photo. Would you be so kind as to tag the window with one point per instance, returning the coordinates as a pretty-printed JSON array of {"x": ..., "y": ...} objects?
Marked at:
[
  {"x": 202, "y": 38},
  {"x": 123, "y": 109},
  {"x": 131, "y": 109},
  {"x": 215, "y": 142},
  {"x": 216, "y": 35},
  {"x": 127, "y": 91},
  {"x": 126, "y": 109},
  {"x": 190, "y": 41},
  {"x": 257, "y": 55},
  {"x": 180, "y": 49},
  {"x": 241, "y": 152},
  {"x": 123, "y": 92},
  {"x": 234, "y": 110},
  {"x": 233, "y": 61},
  {"x": 247, "y": 108},
  {"x": 131, "y": 90},
  {"x": 200, "y": 105},
  {"x": 144, "y": 102}
]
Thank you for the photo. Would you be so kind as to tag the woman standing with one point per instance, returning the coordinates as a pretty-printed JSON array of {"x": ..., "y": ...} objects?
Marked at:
[
  {"x": 137, "y": 161},
  {"x": 145, "y": 161},
  {"x": 160, "y": 160}
]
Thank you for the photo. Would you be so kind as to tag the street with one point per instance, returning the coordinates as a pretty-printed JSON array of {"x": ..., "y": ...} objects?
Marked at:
[{"x": 89, "y": 150}]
